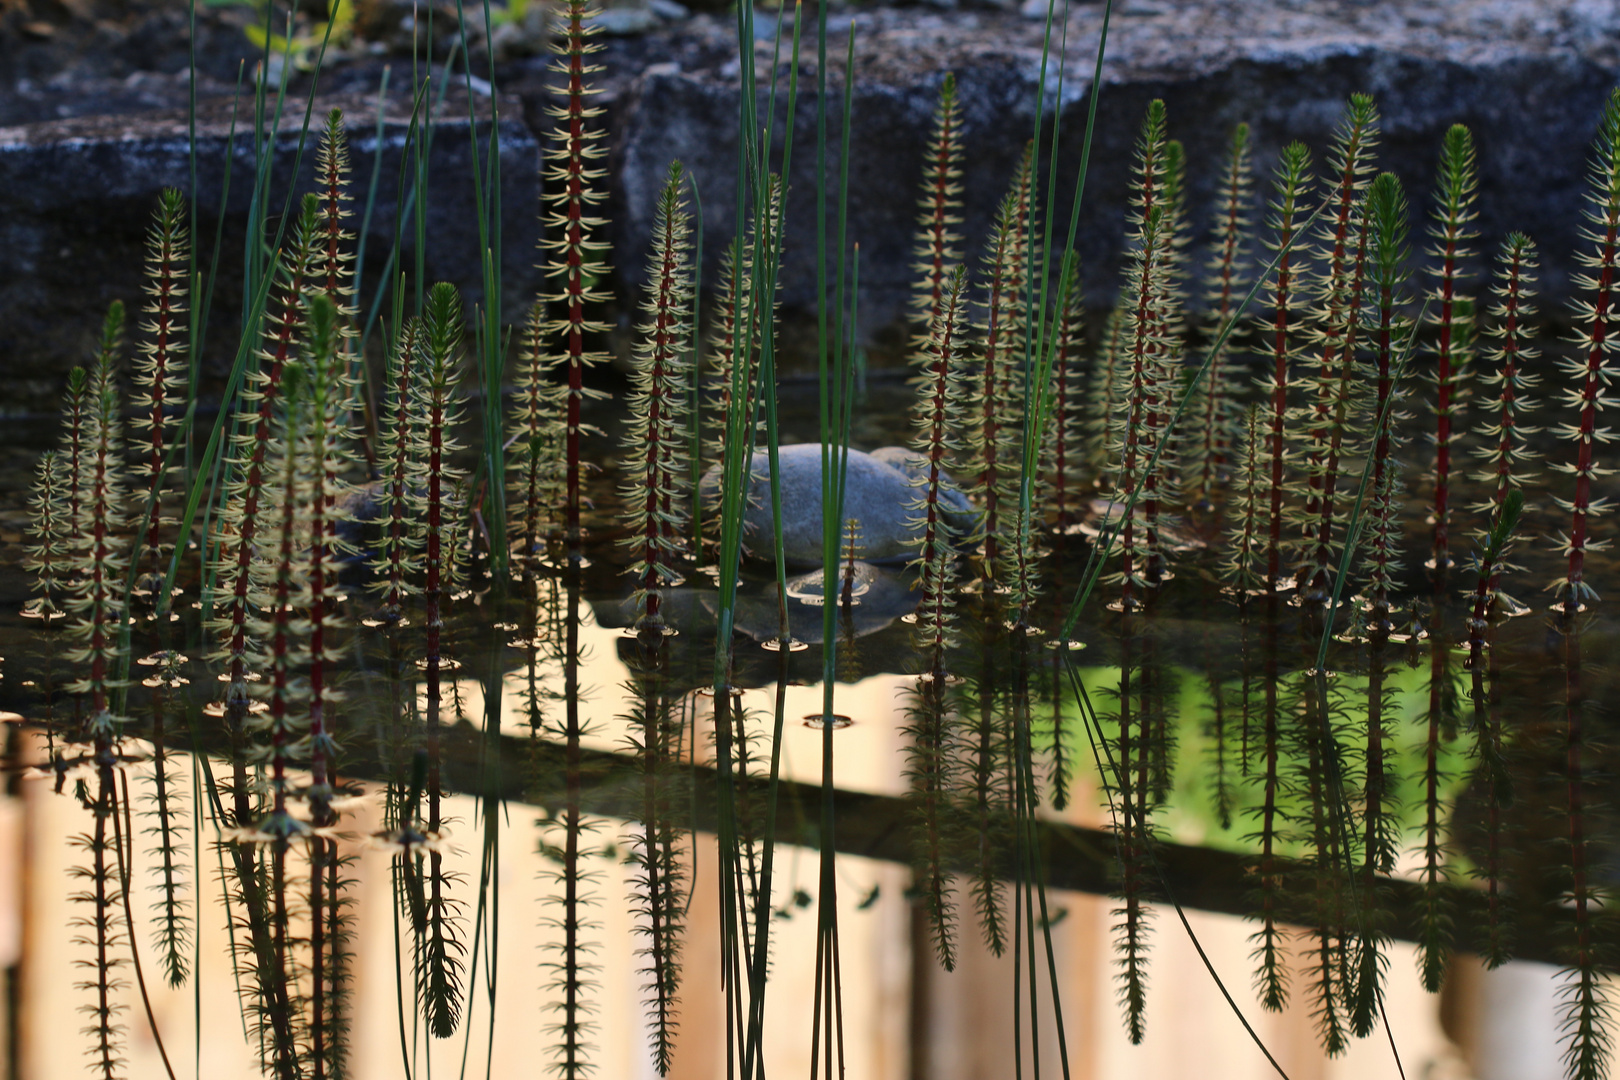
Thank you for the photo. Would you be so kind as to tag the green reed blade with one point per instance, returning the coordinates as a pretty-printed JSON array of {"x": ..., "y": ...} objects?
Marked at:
[{"x": 769, "y": 253}]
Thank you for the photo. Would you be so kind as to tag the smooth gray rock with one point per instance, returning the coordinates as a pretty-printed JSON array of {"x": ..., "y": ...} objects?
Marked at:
[
  {"x": 1528, "y": 76},
  {"x": 878, "y": 497},
  {"x": 622, "y": 21},
  {"x": 76, "y": 198}
]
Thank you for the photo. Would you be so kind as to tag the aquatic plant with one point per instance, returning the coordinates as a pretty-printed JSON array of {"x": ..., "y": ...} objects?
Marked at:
[
  {"x": 292, "y": 521},
  {"x": 1388, "y": 331},
  {"x": 1145, "y": 352},
  {"x": 1219, "y": 411},
  {"x": 1454, "y": 213},
  {"x": 1291, "y": 184},
  {"x": 1507, "y": 463},
  {"x": 653, "y": 440},
  {"x": 992, "y": 407},
  {"x": 1583, "y": 997},
  {"x": 1063, "y": 469},
  {"x": 1328, "y": 421}
]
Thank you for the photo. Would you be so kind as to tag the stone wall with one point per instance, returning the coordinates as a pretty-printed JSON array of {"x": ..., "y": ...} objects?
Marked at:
[{"x": 1528, "y": 76}]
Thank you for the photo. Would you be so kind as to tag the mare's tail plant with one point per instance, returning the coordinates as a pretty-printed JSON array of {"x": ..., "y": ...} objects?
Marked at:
[
  {"x": 1386, "y": 221},
  {"x": 50, "y": 530},
  {"x": 930, "y": 716},
  {"x": 96, "y": 602},
  {"x": 576, "y": 255},
  {"x": 1387, "y": 331},
  {"x": 940, "y": 205},
  {"x": 1063, "y": 454},
  {"x": 993, "y": 409},
  {"x": 1507, "y": 459},
  {"x": 657, "y": 470},
  {"x": 159, "y": 374},
  {"x": 1587, "y": 372},
  {"x": 159, "y": 380},
  {"x": 1144, "y": 352},
  {"x": 1451, "y": 232},
  {"x": 576, "y": 259},
  {"x": 1165, "y": 378},
  {"x": 1584, "y": 996},
  {"x": 535, "y": 432},
  {"x": 1329, "y": 417},
  {"x": 655, "y": 444},
  {"x": 1291, "y": 186},
  {"x": 402, "y": 447},
  {"x": 1219, "y": 415},
  {"x": 436, "y": 400}
]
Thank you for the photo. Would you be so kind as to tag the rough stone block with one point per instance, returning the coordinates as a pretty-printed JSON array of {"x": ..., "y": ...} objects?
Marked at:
[
  {"x": 76, "y": 198},
  {"x": 1528, "y": 76}
]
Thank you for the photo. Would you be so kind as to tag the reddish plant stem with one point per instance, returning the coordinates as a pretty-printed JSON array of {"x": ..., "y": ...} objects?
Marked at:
[
  {"x": 1317, "y": 570},
  {"x": 281, "y": 348},
  {"x": 932, "y": 538},
  {"x": 1382, "y": 555},
  {"x": 533, "y": 404},
  {"x": 163, "y": 330},
  {"x": 1279, "y": 403},
  {"x": 1062, "y": 407},
  {"x": 1591, "y": 389},
  {"x": 990, "y": 474},
  {"x": 1140, "y": 352},
  {"x": 574, "y": 285},
  {"x": 938, "y": 211},
  {"x": 1215, "y": 447},
  {"x": 1512, "y": 304},
  {"x": 656, "y": 521},
  {"x": 1442, "y": 408}
]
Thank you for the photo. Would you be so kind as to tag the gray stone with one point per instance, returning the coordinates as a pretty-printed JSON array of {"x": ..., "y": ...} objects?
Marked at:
[
  {"x": 1528, "y": 76},
  {"x": 625, "y": 21},
  {"x": 878, "y": 496},
  {"x": 76, "y": 198},
  {"x": 670, "y": 10}
]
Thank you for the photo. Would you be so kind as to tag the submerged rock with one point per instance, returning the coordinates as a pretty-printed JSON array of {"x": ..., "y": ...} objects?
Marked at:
[
  {"x": 880, "y": 597},
  {"x": 878, "y": 496}
]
